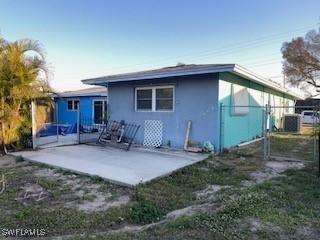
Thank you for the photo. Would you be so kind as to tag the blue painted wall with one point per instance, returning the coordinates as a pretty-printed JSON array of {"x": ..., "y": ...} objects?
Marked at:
[
  {"x": 196, "y": 99},
  {"x": 70, "y": 117}
]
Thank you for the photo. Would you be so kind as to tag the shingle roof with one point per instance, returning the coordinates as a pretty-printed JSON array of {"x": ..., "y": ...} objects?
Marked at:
[
  {"x": 189, "y": 69},
  {"x": 93, "y": 91},
  {"x": 178, "y": 70}
]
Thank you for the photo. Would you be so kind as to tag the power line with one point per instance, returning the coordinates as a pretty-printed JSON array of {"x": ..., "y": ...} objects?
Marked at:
[
  {"x": 263, "y": 64},
  {"x": 228, "y": 49}
]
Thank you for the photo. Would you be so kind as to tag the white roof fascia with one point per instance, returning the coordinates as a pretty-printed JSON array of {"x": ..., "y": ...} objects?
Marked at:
[
  {"x": 213, "y": 69},
  {"x": 243, "y": 72},
  {"x": 233, "y": 68}
]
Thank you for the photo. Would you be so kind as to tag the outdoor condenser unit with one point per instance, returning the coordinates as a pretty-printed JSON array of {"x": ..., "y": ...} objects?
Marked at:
[{"x": 292, "y": 123}]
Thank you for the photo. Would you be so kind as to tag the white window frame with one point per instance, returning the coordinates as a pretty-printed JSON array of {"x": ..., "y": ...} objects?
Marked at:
[
  {"x": 153, "y": 105},
  {"x": 73, "y": 109},
  {"x": 104, "y": 101}
]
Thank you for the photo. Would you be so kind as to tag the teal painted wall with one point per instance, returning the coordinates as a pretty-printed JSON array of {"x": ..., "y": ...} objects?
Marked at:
[{"x": 237, "y": 129}]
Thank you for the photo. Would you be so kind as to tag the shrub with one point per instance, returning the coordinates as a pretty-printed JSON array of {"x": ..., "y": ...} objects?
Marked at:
[
  {"x": 19, "y": 159},
  {"x": 143, "y": 212}
]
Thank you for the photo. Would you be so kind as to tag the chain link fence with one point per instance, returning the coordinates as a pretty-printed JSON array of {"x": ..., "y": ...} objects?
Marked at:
[
  {"x": 56, "y": 131},
  {"x": 291, "y": 133},
  {"x": 275, "y": 132}
]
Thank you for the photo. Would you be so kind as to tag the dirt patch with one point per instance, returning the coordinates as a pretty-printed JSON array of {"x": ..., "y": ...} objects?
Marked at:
[
  {"x": 193, "y": 209},
  {"x": 47, "y": 172},
  {"x": 270, "y": 170},
  {"x": 6, "y": 161},
  {"x": 90, "y": 197},
  {"x": 209, "y": 193},
  {"x": 101, "y": 203},
  {"x": 254, "y": 225},
  {"x": 308, "y": 232},
  {"x": 30, "y": 193}
]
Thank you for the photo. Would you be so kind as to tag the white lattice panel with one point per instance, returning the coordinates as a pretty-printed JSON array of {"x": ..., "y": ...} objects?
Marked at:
[{"x": 153, "y": 133}]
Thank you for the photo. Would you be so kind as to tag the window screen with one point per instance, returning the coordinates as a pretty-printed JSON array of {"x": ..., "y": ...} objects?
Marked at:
[
  {"x": 144, "y": 99},
  {"x": 73, "y": 105},
  {"x": 164, "y": 99},
  {"x": 70, "y": 105}
]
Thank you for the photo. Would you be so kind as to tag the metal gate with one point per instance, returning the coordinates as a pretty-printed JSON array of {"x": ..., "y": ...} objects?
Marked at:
[
  {"x": 290, "y": 133},
  {"x": 271, "y": 132},
  {"x": 49, "y": 129}
]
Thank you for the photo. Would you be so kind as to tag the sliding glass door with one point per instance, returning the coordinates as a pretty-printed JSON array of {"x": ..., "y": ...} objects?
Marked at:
[{"x": 100, "y": 111}]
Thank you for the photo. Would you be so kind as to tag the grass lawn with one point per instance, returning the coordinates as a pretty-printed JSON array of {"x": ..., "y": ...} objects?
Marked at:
[
  {"x": 285, "y": 207},
  {"x": 232, "y": 196},
  {"x": 293, "y": 146}
]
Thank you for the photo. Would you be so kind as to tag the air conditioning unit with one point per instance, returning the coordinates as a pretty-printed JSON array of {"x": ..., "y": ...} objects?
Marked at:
[{"x": 292, "y": 123}]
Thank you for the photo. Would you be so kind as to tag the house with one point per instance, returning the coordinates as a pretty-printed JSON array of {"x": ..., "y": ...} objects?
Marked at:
[
  {"x": 203, "y": 94},
  {"x": 307, "y": 104},
  {"x": 91, "y": 103}
]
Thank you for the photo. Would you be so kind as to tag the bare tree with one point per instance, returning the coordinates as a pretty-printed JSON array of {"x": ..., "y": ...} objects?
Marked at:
[{"x": 301, "y": 63}]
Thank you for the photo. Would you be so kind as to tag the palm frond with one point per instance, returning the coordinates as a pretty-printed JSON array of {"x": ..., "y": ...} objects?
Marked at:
[{"x": 21, "y": 65}]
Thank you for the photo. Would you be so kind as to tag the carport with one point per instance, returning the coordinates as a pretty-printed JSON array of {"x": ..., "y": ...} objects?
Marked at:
[{"x": 119, "y": 166}]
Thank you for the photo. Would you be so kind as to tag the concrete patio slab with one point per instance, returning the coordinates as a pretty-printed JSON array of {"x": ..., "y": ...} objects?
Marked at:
[{"x": 116, "y": 165}]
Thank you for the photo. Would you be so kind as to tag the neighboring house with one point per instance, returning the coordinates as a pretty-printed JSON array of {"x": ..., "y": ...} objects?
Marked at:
[
  {"x": 307, "y": 104},
  {"x": 174, "y": 95},
  {"x": 91, "y": 104}
]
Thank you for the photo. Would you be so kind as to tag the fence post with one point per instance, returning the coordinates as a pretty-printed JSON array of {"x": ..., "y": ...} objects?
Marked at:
[
  {"x": 221, "y": 128},
  {"x": 265, "y": 134},
  {"x": 319, "y": 152},
  {"x": 34, "y": 125},
  {"x": 78, "y": 124},
  {"x": 56, "y": 110},
  {"x": 269, "y": 129}
]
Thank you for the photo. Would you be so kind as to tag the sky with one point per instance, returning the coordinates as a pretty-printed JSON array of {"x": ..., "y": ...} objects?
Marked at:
[{"x": 84, "y": 39}]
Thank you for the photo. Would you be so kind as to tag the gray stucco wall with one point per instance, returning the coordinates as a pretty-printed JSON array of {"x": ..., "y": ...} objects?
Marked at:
[{"x": 196, "y": 99}]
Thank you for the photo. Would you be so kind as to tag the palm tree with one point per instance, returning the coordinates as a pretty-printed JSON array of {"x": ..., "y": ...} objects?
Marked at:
[{"x": 23, "y": 78}]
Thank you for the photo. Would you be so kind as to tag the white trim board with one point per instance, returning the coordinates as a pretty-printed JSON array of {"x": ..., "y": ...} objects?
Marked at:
[
  {"x": 193, "y": 70},
  {"x": 153, "y": 88}
]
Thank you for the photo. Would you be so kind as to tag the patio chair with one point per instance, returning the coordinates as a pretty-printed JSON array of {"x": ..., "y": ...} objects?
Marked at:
[{"x": 119, "y": 134}]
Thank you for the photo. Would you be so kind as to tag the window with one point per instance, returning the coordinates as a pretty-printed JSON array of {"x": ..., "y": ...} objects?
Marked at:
[
  {"x": 155, "y": 98},
  {"x": 286, "y": 105},
  {"x": 144, "y": 99},
  {"x": 164, "y": 99},
  {"x": 239, "y": 100},
  {"x": 99, "y": 111},
  {"x": 308, "y": 113},
  {"x": 73, "y": 105}
]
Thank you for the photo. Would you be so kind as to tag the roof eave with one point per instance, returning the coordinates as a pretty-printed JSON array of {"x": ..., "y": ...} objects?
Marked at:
[
  {"x": 233, "y": 68},
  {"x": 80, "y": 95},
  {"x": 98, "y": 81},
  {"x": 243, "y": 72}
]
